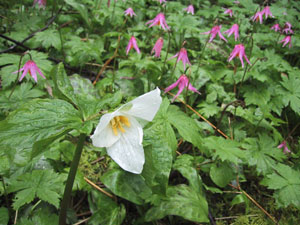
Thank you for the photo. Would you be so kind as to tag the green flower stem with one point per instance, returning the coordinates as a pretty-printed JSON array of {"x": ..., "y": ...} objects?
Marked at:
[
  {"x": 202, "y": 51},
  {"x": 168, "y": 49},
  {"x": 71, "y": 177}
]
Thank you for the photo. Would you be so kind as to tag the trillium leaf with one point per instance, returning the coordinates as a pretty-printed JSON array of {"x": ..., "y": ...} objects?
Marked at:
[
  {"x": 37, "y": 120},
  {"x": 183, "y": 201},
  {"x": 127, "y": 185},
  {"x": 159, "y": 151},
  {"x": 4, "y": 216},
  {"x": 221, "y": 174},
  {"x": 105, "y": 211}
]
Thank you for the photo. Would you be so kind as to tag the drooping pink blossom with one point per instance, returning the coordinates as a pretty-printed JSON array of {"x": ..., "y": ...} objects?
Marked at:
[
  {"x": 189, "y": 9},
  {"x": 129, "y": 12},
  {"x": 258, "y": 17},
  {"x": 161, "y": 1},
  {"x": 266, "y": 11},
  {"x": 284, "y": 146},
  {"x": 228, "y": 11},
  {"x": 157, "y": 47},
  {"x": 276, "y": 27},
  {"x": 288, "y": 28},
  {"x": 287, "y": 40},
  {"x": 213, "y": 33},
  {"x": 159, "y": 20},
  {"x": 239, "y": 50},
  {"x": 132, "y": 44},
  {"x": 41, "y": 3},
  {"x": 181, "y": 55},
  {"x": 31, "y": 67},
  {"x": 182, "y": 82},
  {"x": 234, "y": 29}
]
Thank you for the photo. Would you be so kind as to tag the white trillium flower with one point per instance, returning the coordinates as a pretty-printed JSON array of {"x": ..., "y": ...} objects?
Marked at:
[{"x": 122, "y": 134}]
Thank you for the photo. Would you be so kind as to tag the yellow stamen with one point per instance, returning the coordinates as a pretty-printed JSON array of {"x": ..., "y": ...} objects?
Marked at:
[{"x": 118, "y": 122}]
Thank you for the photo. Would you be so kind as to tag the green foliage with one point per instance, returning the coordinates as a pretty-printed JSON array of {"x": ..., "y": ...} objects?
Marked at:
[
  {"x": 73, "y": 42},
  {"x": 105, "y": 210},
  {"x": 44, "y": 184},
  {"x": 127, "y": 185},
  {"x": 286, "y": 183}
]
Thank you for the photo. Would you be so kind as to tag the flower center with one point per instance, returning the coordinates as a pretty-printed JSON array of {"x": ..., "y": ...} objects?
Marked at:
[{"x": 118, "y": 123}]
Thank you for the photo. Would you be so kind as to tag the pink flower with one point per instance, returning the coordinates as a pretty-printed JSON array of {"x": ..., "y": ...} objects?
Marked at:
[
  {"x": 32, "y": 68},
  {"x": 213, "y": 32},
  {"x": 132, "y": 44},
  {"x": 41, "y": 3},
  {"x": 157, "y": 47},
  {"x": 288, "y": 28},
  {"x": 182, "y": 82},
  {"x": 284, "y": 146},
  {"x": 161, "y": 1},
  {"x": 267, "y": 12},
  {"x": 129, "y": 12},
  {"x": 189, "y": 9},
  {"x": 234, "y": 29},
  {"x": 276, "y": 27},
  {"x": 159, "y": 20},
  {"x": 258, "y": 16},
  {"x": 286, "y": 40},
  {"x": 236, "y": 2},
  {"x": 239, "y": 50},
  {"x": 181, "y": 55},
  {"x": 228, "y": 11}
]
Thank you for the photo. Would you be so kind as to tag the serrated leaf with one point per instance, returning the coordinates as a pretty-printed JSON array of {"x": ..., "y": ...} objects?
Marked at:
[
  {"x": 263, "y": 153},
  {"x": 227, "y": 150},
  {"x": 183, "y": 201},
  {"x": 49, "y": 38},
  {"x": 37, "y": 120},
  {"x": 286, "y": 182},
  {"x": 44, "y": 184},
  {"x": 127, "y": 185},
  {"x": 104, "y": 210},
  {"x": 292, "y": 91},
  {"x": 21, "y": 94}
]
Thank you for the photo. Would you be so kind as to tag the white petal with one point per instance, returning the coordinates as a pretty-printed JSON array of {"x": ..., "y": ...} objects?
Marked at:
[
  {"x": 128, "y": 151},
  {"x": 103, "y": 135},
  {"x": 144, "y": 106}
]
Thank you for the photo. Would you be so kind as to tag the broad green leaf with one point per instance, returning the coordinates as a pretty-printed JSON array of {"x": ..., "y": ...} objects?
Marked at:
[
  {"x": 159, "y": 152},
  {"x": 4, "y": 216},
  {"x": 262, "y": 153},
  {"x": 221, "y": 174},
  {"x": 182, "y": 201},
  {"x": 44, "y": 184},
  {"x": 37, "y": 120},
  {"x": 184, "y": 164},
  {"x": 63, "y": 88},
  {"x": 186, "y": 126},
  {"x": 225, "y": 149},
  {"x": 105, "y": 211},
  {"x": 286, "y": 183},
  {"x": 127, "y": 185}
]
